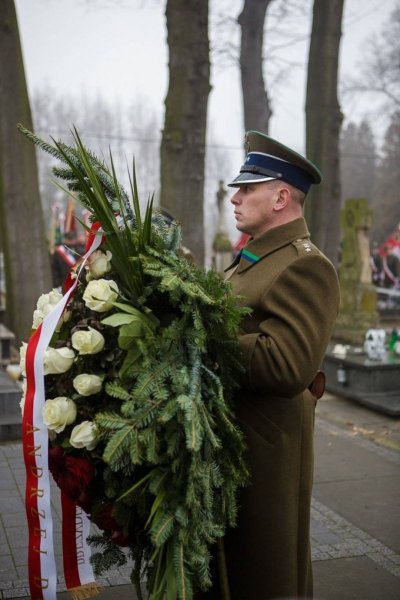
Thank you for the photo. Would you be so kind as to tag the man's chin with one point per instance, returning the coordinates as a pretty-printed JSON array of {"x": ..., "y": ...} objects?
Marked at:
[{"x": 241, "y": 228}]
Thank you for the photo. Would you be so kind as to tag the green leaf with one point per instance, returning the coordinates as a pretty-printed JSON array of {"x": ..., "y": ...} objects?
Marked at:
[
  {"x": 118, "y": 319},
  {"x": 172, "y": 585},
  {"x": 158, "y": 500},
  {"x": 128, "y": 308},
  {"x": 134, "y": 487},
  {"x": 128, "y": 332},
  {"x": 131, "y": 357}
]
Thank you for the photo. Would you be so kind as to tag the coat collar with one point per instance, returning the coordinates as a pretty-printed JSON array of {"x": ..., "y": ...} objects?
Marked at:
[{"x": 272, "y": 240}]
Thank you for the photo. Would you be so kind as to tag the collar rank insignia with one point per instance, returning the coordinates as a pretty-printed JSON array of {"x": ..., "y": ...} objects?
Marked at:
[{"x": 252, "y": 258}]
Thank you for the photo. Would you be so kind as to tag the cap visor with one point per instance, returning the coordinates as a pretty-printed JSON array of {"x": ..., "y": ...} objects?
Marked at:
[{"x": 249, "y": 178}]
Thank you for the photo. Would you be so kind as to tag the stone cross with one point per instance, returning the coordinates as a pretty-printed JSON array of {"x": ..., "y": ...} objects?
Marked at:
[{"x": 358, "y": 309}]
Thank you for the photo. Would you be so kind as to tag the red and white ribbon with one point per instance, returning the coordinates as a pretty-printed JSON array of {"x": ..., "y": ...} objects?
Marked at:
[
  {"x": 66, "y": 255},
  {"x": 76, "y": 553},
  {"x": 41, "y": 560}
]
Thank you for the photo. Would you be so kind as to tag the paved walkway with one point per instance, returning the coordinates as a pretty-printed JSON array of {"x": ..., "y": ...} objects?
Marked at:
[{"x": 355, "y": 511}]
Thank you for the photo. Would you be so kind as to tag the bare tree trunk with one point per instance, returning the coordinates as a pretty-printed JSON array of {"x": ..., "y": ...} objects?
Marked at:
[
  {"x": 184, "y": 134},
  {"x": 22, "y": 234},
  {"x": 256, "y": 106},
  {"x": 323, "y": 123}
]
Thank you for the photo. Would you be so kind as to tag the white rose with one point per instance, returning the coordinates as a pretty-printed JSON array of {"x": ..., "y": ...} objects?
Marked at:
[
  {"x": 22, "y": 355},
  {"x": 44, "y": 306},
  {"x": 37, "y": 318},
  {"x": 88, "y": 341},
  {"x": 98, "y": 264},
  {"x": 99, "y": 294},
  {"x": 86, "y": 385},
  {"x": 57, "y": 360},
  {"x": 59, "y": 412},
  {"x": 84, "y": 435},
  {"x": 47, "y": 302},
  {"x": 23, "y": 397}
]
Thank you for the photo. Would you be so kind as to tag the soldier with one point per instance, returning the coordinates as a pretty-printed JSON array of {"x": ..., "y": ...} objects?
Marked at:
[{"x": 293, "y": 291}]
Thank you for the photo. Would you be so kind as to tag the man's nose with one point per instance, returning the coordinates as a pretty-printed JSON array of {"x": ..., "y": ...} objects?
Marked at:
[{"x": 236, "y": 198}]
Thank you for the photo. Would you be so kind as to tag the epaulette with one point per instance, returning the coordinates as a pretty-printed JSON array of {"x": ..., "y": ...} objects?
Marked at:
[{"x": 304, "y": 246}]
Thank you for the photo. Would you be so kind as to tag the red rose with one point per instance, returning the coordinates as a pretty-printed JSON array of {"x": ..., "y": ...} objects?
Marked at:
[
  {"x": 72, "y": 475},
  {"x": 120, "y": 539},
  {"x": 85, "y": 501},
  {"x": 104, "y": 519},
  {"x": 56, "y": 458}
]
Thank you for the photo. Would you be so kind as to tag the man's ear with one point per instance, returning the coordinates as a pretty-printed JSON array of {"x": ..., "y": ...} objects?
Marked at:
[{"x": 282, "y": 199}]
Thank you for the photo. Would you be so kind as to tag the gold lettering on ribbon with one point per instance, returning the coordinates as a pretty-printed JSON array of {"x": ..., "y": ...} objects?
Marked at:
[
  {"x": 38, "y": 550},
  {"x": 35, "y": 450},
  {"x": 38, "y": 513},
  {"x": 41, "y": 582},
  {"x": 37, "y": 492},
  {"x": 80, "y": 555},
  {"x": 36, "y": 471},
  {"x": 31, "y": 428},
  {"x": 41, "y": 532}
]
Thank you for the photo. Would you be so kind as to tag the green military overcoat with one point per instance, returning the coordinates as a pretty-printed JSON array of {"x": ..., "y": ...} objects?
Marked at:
[{"x": 293, "y": 291}]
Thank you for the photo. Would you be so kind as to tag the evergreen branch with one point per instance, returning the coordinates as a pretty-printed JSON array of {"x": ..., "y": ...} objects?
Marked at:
[
  {"x": 110, "y": 422},
  {"x": 184, "y": 587},
  {"x": 109, "y": 556},
  {"x": 115, "y": 390},
  {"x": 40, "y": 143},
  {"x": 162, "y": 528},
  {"x": 119, "y": 446}
]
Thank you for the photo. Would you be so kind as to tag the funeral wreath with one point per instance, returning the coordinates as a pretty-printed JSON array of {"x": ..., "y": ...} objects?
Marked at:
[{"x": 139, "y": 377}]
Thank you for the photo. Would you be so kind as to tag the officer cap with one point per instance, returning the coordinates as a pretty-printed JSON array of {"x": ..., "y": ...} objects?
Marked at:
[{"x": 268, "y": 159}]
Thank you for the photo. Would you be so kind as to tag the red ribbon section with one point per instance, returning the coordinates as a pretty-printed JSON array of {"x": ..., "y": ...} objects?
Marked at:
[{"x": 33, "y": 473}]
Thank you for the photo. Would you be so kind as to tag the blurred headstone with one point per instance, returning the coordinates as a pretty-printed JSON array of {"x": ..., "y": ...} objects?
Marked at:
[
  {"x": 6, "y": 340},
  {"x": 358, "y": 307},
  {"x": 10, "y": 389},
  {"x": 10, "y": 411}
]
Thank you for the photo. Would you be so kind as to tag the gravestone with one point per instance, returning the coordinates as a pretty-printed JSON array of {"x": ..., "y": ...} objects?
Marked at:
[
  {"x": 352, "y": 373},
  {"x": 10, "y": 411},
  {"x": 358, "y": 306},
  {"x": 10, "y": 390}
]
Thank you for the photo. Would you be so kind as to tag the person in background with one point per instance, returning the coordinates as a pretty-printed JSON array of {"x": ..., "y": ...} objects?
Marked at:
[
  {"x": 376, "y": 262},
  {"x": 293, "y": 291},
  {"x": 391, "y": 268},
  {"x": 65, "y": 256}
]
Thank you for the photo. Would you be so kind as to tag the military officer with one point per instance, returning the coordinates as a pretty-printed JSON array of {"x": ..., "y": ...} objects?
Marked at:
[{"x": 292, "y": 289}]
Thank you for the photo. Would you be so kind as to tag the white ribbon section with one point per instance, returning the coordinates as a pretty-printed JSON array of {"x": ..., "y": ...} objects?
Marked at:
[{"x": 83, "y": 552}]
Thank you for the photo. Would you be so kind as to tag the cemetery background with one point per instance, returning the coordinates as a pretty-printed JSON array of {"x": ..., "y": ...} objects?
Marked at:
[{"x": 355, "y": 541}]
